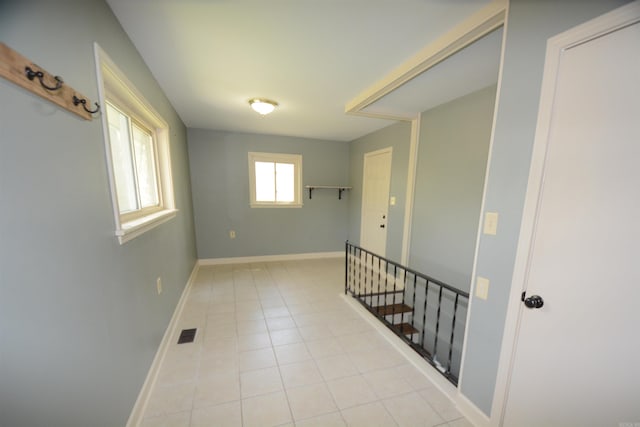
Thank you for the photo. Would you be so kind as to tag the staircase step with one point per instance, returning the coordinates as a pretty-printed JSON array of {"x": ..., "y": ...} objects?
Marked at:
[
  {"x": 388, "y": 310},
  {"x": 405, "y": 329},
  {"x": 375, "y": 294}
]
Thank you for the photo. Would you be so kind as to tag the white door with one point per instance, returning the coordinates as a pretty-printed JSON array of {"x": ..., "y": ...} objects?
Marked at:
[
  {"x": 577, "y": 358},
  {"x": 375, "y": 200}
]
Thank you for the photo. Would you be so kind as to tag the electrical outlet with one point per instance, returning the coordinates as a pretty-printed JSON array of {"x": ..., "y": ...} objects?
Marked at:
[
  {"x": 482, "y": 288},
  {"x": 232, "y": 234},
  {"x": 491, "y": 223},
  {"x": 159, "y": 285}
]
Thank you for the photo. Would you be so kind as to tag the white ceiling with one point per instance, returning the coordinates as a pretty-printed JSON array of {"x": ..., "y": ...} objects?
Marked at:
[{"x": 311, "y": 56}]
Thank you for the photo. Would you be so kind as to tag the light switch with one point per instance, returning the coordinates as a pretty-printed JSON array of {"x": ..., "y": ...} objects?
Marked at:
[
  {"x": 482, "y": 288},
  {"x": 392, "y": 201},
  {"x": 491, "y": 223}
]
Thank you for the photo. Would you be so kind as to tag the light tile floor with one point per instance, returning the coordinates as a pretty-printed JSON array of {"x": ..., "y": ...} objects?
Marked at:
[{"x": 277, "y": 345}]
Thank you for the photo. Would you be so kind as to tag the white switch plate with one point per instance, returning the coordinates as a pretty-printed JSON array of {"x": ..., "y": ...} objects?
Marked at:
[
  {"x": 232, "y": 234},
  {"x": 491, "y": 223},
  {"x": 159, "y": 285},
  {"x": 482, "y": 288},
  {"x": 392, "y": 201}
]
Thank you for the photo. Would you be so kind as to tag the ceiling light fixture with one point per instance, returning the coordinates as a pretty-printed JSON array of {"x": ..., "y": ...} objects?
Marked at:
[{"x": 262, "y": 105}]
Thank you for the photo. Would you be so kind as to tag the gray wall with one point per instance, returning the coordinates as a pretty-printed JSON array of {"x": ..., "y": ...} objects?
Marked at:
[
  {"x": 220, "y": 181},
  {"x": 452, "y": 159},
  {"x": 397, "y": 136},
  {"x": 80, "y": 318},
  {"x": 530, "y": 24}
]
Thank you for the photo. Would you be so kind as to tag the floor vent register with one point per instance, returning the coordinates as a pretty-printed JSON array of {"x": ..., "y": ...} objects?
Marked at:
[{"x": 187, "y": 336}]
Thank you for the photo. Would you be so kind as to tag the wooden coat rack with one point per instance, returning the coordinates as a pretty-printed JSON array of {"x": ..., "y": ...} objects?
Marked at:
[{"x": 21, "y": 71}]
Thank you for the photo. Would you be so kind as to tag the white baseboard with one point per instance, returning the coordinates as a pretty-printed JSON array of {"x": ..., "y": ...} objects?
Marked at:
[
  {"x": 471, "y": 412},
  {"x": 143, "y": 398},
  {"x": 464, "y": 405},
  {"x": 270, "y": 258}
]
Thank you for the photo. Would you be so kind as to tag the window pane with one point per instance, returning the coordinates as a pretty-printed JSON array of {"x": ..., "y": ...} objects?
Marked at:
[
  {"x": 145, "y": 167},
  {"x": 122, "y": 160},
  {"x": 284, "y": 182},
  {"x": 265, "y": 182}
]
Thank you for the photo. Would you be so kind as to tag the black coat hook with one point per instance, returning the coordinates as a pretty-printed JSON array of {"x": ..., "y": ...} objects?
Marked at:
[
  {"x": 40, "y": 75},
  {"x": 77, "y": 101}
]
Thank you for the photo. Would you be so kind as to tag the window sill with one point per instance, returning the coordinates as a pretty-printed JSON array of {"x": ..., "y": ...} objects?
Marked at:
[{"x": 132, "y": 229}]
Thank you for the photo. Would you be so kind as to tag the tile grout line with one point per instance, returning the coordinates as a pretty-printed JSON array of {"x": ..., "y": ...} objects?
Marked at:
[{"x": 283, "y": 289}]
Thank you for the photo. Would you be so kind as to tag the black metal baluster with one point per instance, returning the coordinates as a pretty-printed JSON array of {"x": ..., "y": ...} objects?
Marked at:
[
  {"x": 353, "y": 271},
  {"x": 350, "y": 269},
  {"x": 424, "y": 311},
  {"x": 395, "y": 292},
  {"x": 359, "y": 272},
  {"x": 453, "y": 327},
  {"x": 415, "y": 289},
  {"x": 346, "y": 267},
  {"x": 378, "y": 296},
  {"x": 370, "y": 285},
  {"x": 435, "y": 343},
  {"x": 365, "y": 285},
  {"x": 371, "y": 278},
  {"x": 363, "y": 272},
  {"x": 386, "y": 283},
  {"x": 404, "y": 293},
  {"x": 363, "y": 294}
]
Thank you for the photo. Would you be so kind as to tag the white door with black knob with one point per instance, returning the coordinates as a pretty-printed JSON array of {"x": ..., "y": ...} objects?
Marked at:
[
  {"x": 375, "y": 200},
  {"x": 574, "y": 358}
]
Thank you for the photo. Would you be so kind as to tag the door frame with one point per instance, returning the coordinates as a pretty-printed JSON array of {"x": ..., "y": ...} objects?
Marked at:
[
  {"x": 364, "y": 186},
  {"x": 609, "y": 22}
]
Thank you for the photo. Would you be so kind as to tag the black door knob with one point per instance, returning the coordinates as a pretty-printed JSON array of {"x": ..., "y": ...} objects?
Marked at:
[{"x": 534, "y": 301}]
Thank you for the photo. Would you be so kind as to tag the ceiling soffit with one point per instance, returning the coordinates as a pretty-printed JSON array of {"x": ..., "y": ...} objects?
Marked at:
[{"x": 479, "y": 25}]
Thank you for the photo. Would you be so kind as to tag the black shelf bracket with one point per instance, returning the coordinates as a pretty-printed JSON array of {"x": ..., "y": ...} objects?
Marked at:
[{"x": 340, "y": 189}]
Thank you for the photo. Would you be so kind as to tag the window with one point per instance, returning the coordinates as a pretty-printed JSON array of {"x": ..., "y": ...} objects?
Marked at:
[
  {"x": 137, "y": 152},
  {"x": 134, "y": 163},
  {"x": 275, "y": 180}
]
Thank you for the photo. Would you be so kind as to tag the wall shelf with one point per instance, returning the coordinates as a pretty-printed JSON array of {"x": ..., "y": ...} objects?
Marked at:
[{"x": 340, "y": 189}]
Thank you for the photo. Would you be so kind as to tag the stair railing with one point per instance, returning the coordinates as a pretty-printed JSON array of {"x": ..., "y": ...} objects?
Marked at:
[{"x": 427, "y": 314}]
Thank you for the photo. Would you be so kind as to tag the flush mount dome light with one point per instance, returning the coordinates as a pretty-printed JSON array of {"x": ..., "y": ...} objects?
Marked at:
[{"x": 263, "y": 106}]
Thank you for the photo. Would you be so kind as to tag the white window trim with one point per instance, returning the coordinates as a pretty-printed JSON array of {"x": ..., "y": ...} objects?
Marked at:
[
  {"x": 296, "y": 159},
  {"x": 112, "y": 80}
]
